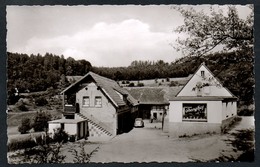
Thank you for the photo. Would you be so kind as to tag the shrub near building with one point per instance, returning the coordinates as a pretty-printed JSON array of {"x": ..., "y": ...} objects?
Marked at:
[
  {"x": 41, "y": 101},
  {"x": 25, "y": 126},
  {"x": 40, "y": 122}
]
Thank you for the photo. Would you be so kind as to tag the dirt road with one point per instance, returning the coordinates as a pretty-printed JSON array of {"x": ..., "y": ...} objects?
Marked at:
[{"x": 150, "y": 144}]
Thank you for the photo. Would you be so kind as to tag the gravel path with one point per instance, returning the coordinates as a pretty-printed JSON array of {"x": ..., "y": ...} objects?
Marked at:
[{"x": 152, "y": 145}]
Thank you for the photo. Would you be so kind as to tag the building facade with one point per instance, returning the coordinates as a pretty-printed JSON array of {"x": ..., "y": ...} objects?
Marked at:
[
  {"x": 96, "y": 108},
  {"x": 203, "y": 105}
]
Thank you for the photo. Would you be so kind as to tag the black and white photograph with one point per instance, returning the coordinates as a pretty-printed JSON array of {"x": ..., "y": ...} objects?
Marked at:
[{"x": 130, "y": 83}]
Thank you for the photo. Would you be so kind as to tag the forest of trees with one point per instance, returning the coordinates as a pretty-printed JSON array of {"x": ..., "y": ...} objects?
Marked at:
[
  {"x": 33, "y": 73},
  {"x": 38, "y": 73}
]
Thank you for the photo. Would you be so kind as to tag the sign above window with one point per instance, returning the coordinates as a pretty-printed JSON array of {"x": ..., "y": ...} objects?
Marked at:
[{"x": 194, "y": 112}]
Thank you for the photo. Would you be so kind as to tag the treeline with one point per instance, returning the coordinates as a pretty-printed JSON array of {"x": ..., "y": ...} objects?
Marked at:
[
  {"x": 235, "y": 70},
  {"x": 139, "y": 70},
  {"x": 38, "y": 73}
]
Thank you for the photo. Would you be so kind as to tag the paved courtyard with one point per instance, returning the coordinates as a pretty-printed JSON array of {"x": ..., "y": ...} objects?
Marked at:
[{"x": 150, "y": 144}]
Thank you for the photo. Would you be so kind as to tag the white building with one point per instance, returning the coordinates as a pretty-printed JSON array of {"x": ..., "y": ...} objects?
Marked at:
[
  {"x": 203, "y": 105},
  {"x": 96, "y": 108}
]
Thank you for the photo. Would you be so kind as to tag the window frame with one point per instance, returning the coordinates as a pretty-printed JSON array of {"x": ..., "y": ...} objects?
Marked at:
[
  {"x": 83, "y": 102},
  {"x": 98, "y": 105},
  {"x": 202, "y": 73},
  {"x": 195, "y": 118}
]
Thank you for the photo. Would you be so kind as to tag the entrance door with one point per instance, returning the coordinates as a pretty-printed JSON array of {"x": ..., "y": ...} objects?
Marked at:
[
  {"x": 62, "y": 126},
  {"x": 79, "y": 130},
  {"x": 77, "y": 107},
  {"x": 155, "y": 116}
]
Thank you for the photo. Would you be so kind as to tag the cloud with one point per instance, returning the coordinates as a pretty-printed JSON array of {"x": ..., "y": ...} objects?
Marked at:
[{"x": 109, "y": 44}]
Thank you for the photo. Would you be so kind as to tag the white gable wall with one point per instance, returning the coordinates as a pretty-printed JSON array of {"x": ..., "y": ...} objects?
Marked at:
[
  {"x": 106, "y": 113},
  {"x": 212, "y": 90},
  {"x": 222, "y": 109}
]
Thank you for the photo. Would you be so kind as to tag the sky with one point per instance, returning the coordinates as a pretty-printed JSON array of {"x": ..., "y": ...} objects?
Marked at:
[{"x": 105, "y": 35}]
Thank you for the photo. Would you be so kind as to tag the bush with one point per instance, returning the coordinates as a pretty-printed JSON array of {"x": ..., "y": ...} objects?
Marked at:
[
  {"x": 22, "y": 107},
  {"x": 140, "y": 84},
  {"x": 72, "y": 138},
  {"x": 41, "y": 101},
  {"x": 246, "y": 112},
  {"x": 12, "y": 99},
  {"x": 25, "y": 126},
  {"x": 44, "y": 153},
  {"x": 174, "y": 83},
  {"x": 131, "y": 84},
  {"x": 60, "y": 136},
  {"x": 41, "y": 121},
  {"x": 80, "y": 156}
]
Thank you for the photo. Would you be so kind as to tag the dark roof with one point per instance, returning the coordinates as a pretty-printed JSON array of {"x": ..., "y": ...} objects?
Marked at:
[
  {"x": 151, "y": 95},
  {"x": 108, "y": 86},
  {"x": 171, "y": 92},
  {"x": 203, "y": 98}
]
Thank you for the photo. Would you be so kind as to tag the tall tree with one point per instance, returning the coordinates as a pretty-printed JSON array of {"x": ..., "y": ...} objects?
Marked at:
[{"x": 204, "y": 32}]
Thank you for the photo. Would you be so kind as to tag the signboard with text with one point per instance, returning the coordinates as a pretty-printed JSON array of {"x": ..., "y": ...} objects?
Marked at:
[{"x": 194, "y": 112}]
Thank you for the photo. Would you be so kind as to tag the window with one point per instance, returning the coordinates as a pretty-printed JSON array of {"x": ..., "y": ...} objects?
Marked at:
[
  {"x": 98, "y": 102},
  {"x": 62, "y": 126},
  {"x": 202, "y": 73},
  {"x": 85, "y": 102},
  {"x": 194, "y": 112}
]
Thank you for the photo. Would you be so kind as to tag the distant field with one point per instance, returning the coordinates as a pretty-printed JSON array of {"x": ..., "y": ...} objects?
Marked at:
[
  {"x": 15, "y": 118},
  {"x": 161, "y": 81}
]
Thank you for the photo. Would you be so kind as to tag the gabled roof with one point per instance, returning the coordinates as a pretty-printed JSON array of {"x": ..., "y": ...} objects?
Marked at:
[
  {"x": 149, "y": 95},
  {"x": 108, "y": 86},
  {"x": 171, "y": 92},
  {"x": 228, "y": 94}
]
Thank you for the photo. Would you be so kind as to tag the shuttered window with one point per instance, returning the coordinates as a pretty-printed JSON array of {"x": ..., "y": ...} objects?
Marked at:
[
  {"x": 85, "y": 101},
  {"x": 98, "y": 101}
]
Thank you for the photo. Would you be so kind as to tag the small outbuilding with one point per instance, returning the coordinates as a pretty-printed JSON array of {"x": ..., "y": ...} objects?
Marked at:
[
  {"x": 203, "y": 105},
  {"x": 152, "y": 101}
]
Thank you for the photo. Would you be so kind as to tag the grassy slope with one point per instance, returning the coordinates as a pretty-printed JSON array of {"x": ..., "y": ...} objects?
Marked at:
[{"x": 14, "y": 118}]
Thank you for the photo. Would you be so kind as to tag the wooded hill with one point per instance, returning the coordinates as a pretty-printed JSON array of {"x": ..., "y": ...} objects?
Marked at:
[{"x": 39, "y": 73}]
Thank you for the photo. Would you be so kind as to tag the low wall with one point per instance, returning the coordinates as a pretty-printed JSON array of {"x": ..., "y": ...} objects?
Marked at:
[
  {"x": 227, "y": 123},
  {"x": 177, "y": 129}
]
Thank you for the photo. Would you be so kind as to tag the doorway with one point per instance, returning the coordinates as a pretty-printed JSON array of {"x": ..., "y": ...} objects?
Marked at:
[
  {"x": 155, "y": 116},
  {"x": 77, "y": 107}
]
